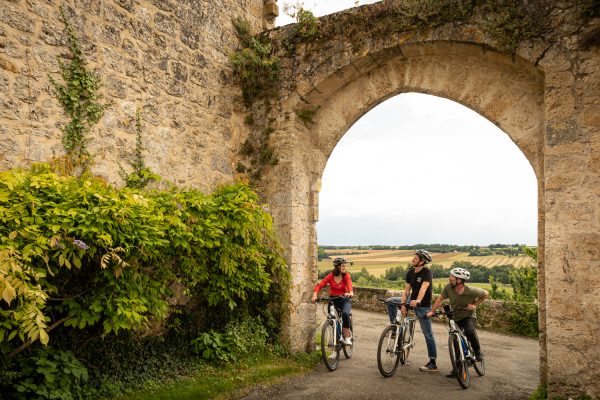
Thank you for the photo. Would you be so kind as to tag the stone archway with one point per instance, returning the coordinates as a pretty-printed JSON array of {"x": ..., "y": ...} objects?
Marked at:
[
  {"x": 531, "y": 97},
  {"x": 507, "y": 92}
]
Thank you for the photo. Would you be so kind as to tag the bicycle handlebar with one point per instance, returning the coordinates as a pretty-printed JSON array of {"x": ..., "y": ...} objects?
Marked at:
[
  {"x": 407, "y": 304},
  {"x": 324, "y": 299}
]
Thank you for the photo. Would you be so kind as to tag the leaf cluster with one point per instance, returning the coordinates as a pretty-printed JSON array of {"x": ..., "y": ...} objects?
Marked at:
[
  {"x": 80, "y": 253},
  {"x": 240, "y": 338},
  {"x": 255, "y": 66},
  {"x": 307, "y": 26}
]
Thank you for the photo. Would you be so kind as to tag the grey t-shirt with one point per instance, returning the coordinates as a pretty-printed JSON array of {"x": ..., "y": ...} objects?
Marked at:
[{"x": 469, "y": 296}]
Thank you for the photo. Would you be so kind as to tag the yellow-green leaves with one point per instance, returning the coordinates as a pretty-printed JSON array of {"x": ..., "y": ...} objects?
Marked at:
[{"x": 107, "y": 256}]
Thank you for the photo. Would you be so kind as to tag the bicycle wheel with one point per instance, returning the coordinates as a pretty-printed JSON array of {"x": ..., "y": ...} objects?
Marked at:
[
  {"x": 348, "y": 349},
  {"x": 460, "y": 366},
  {"x": 407, "y": 337},
  {"x": 479, "y": 367},
  {"x": 387, "y": 356},
  {"x": 329, "y": 347}
]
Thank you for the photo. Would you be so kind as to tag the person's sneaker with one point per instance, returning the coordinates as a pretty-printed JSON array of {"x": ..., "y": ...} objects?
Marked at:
[
  {"x": 452, "y": 374},
  {"x": 429, "y": 367},
  {"x": 347, "y": 341}
]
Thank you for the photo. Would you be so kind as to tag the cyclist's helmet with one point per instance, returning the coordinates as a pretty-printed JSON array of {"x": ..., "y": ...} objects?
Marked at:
[
  {"x": 339, "y": 261},
  {"x": 460, "y": 273},
  {"x": 424, "y": 256}
]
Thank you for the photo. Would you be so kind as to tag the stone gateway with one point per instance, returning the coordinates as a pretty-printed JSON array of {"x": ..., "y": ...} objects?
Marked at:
[{"x": 170, "y": 59}]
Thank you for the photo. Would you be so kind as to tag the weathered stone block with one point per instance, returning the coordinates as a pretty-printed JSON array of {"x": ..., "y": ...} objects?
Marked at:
[{"x": 15, "y": 18}]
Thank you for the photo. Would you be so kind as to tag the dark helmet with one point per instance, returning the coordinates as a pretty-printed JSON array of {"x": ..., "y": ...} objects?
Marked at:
[
  {"x": 424, "y": 256},
  {"x": 339, "y": 261}
]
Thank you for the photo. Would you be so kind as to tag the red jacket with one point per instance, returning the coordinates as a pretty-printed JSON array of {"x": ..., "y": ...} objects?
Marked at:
[{"x": 336, "y": 289}]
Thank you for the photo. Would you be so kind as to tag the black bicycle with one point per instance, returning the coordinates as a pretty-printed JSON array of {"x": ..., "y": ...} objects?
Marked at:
[
  {"x": 331, "y": 336},
  {"x": 396, "y": 341},
  {"x": 461, "y": 352}
]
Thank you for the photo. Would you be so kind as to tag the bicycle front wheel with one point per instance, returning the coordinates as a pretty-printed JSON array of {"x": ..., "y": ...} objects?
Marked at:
[
  {"x": 459, "y": 364},
  {"x": 329, "y": 346},
  {"x": 387, "y": 356},
  {"x": 479, "y": 367}
]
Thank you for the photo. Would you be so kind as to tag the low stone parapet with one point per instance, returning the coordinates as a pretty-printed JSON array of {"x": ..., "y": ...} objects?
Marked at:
[{"x": 498, "y": 316}]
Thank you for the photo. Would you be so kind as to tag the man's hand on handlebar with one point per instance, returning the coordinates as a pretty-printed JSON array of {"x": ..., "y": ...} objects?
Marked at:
[
  {"x": 314, "y": 297},
  {"x": 348, "y": 294}
]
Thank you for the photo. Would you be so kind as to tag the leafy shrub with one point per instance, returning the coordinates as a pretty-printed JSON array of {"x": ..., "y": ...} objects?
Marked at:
[
  {"x": 240, "y": 338},
  {"x": 44, "y": 374},
  {"x": 79, "y": 252}
]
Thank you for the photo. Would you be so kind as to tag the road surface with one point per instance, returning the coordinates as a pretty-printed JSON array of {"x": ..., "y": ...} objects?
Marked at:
[{"x": 512, "y": 366}]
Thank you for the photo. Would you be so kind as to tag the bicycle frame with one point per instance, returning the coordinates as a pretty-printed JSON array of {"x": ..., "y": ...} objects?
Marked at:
[
  {"x": 331, "y": 337},
  {"x": 395, "y": 342},
  {"x": 461, "y": 352}
]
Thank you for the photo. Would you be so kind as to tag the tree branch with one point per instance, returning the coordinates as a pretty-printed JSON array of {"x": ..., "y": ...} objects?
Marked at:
[{"x": 30, "y": 342}]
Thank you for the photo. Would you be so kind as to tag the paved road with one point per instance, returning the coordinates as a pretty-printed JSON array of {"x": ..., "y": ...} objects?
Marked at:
[{"x": 511, "y": 370}]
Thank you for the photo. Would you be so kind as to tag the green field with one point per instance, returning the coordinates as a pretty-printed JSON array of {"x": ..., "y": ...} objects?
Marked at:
[{"x": 377, "y": 261}]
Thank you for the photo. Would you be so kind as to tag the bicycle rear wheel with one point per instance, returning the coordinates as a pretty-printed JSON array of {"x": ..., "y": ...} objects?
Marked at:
[
  {"x": 348, "y": 350},
  {"x": 479, "y": 367},
  {"x": 330, "y": 349},
  {"x": 387, "y": 356},
  {"x": 460, "y": 366},
  {"x": 406, "y": 339}
]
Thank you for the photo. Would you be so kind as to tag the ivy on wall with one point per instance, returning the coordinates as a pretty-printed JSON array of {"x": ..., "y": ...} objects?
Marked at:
[{"x": 79, "y": 97}]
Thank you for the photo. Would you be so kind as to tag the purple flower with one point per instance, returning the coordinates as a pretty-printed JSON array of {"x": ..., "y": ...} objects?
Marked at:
[{"x": 81, "y": 244}]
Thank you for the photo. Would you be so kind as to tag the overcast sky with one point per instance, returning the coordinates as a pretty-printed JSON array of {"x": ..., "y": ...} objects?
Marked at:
[{"x": 423, "y": 169}]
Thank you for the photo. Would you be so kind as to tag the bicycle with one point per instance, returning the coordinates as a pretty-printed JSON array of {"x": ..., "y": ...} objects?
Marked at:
[
  {"x": 461, "y": 352},
  {"x": 396, "y": 341},
  {"x": 331, "y": 336}
]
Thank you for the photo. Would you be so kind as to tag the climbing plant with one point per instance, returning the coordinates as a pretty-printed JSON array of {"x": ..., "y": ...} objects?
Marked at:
[
  {"x": 257, "y": 69},
  {"x": 141, "y": 175},
  {"x": 79, "y": 97}
]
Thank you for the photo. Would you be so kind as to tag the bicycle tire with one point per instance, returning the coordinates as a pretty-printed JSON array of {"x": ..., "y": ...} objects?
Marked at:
[
  {"x": 402, "y": 349},
  {"x": 349, "y": 350},
  {"x": 460, "y": 366},
  {"x": 330, "y": 351},
  {"x": 407, "y": 338},
  {"x": 479, "y": 367},
  {"x": 387, "y": 356}
]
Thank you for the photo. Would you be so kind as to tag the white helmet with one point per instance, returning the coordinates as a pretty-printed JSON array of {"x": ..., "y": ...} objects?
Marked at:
[{"x": 460, "y": 273}]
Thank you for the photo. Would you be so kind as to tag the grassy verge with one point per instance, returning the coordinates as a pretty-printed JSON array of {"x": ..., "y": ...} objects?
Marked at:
[{"x": 229, "y": 381}]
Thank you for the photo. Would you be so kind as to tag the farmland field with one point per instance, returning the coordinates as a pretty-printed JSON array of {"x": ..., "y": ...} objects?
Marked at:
[{"x": 377, "y": 261}]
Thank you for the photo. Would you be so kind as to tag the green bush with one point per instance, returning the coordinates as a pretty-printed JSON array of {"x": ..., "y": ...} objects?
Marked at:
[
  {"x": 45, "y": 374},
  {"x": 83, "y": 262},
  {"x": 240, "y": 338}
]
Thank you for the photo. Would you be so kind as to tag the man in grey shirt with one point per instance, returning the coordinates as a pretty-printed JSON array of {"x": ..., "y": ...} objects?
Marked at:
[{"x": 466, "y": 298}]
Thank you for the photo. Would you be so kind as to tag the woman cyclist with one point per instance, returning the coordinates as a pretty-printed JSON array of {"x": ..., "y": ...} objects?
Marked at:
[{"x": 340, "y": 287}]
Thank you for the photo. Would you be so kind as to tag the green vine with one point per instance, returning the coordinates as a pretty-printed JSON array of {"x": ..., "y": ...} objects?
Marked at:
[
  {"x": 257, "y": 69},
  {"x": 141, "y": 175},
  {"x": 78, "y": 95}
]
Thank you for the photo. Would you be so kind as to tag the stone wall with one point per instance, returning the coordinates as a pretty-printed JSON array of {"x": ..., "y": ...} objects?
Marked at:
[
  {"x": 168, "y": 58},
  {"x": 491, "y": 315}
]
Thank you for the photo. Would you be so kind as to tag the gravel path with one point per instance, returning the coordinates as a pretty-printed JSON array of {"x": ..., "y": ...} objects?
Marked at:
[{"x": 512, "y": 365}]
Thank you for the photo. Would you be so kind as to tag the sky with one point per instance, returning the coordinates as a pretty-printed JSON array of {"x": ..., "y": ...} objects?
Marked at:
[{"x": 423, "y": 169}]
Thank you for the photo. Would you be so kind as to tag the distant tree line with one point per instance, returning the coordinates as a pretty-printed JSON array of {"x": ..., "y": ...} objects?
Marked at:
[
  {"x": 523, "y": 280},
  {"x": 511, "y": 250}
]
